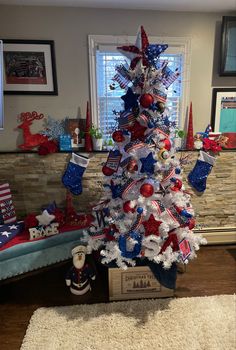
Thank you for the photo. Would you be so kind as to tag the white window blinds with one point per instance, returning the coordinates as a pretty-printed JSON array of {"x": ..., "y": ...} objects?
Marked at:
[{"x": 109, "y": 100}]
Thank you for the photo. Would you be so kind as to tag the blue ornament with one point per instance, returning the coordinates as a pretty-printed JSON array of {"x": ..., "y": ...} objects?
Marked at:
[
  {"x": 139, "y": 210},
  {"x": 137, "y": 247},
  {"x": 148, "y": 164},
  {"x": 130, "y": 99},
  {"x": 177, "y": 171}
]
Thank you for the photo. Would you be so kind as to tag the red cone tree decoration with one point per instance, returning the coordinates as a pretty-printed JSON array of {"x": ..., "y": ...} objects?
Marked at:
[
  {"x": 88, "y": 138},
  {"x": 189, "y": 140}
]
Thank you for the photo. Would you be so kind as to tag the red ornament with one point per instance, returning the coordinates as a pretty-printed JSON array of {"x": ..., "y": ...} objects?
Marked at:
[
  {"x": 177, "y": 185},
  {"x": 132, "y": 166},
  {"x": 167, "y": 144},
  {"x": 146, "y": 190},
  {"x": 146, "y": 100},
  {"x": 128, "y": 208},
  {"x": 118, "y": 136}
]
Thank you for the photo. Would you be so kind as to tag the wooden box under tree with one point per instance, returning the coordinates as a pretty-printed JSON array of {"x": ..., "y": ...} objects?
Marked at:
[{"x": 135, "y": 283}]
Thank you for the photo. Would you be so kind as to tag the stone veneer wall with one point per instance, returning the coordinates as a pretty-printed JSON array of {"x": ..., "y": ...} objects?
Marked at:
[{"x": 36, "y": 181}]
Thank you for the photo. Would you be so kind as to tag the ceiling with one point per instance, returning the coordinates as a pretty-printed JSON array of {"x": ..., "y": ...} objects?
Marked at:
[{"x": 164, "y": 5}]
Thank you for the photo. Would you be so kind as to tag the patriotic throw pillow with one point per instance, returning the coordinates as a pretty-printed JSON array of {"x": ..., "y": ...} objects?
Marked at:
[{"x": 7, "y": 210}]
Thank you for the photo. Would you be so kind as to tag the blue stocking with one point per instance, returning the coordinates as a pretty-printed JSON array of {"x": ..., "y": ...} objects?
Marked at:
[
  {"x": 198, "y": 176},
  {"x": 72, "y": 178}
]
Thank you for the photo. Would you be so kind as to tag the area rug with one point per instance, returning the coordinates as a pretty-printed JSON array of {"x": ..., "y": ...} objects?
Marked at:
[{"x": 201, "y": 323}]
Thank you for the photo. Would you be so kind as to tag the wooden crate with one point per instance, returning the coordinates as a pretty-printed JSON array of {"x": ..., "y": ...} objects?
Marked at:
[{"x": 135, "y": 283}]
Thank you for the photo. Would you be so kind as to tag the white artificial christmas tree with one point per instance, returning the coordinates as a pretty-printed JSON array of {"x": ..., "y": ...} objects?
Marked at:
[{"x": 146, "y": 211}]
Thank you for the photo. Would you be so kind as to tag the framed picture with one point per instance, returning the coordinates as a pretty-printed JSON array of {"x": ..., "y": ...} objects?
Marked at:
[
  {"x": 228, "y": 47},
  {"x": 29, "y": 67},
  {"x": 76, "y": 129},
  {"x": 223, "y": 117}
]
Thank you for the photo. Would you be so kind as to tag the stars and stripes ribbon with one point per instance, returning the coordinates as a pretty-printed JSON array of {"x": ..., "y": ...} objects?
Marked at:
[
  {"x": 127, "y": 186},
  {"x": 168, "y": 176},
  {"x": 6, "y": 205},
  {"x": 125, "y": 162},
  {"x": 159, "y": 206},
  {"x": 137, "y": 223},
  {"x": 126, "y": 119},
  {"x": 144, "y": 118},
  {"x": 172, "y": 212},
  {"x": 8, "y": 232},
  {"x": 134, "y": 145}
]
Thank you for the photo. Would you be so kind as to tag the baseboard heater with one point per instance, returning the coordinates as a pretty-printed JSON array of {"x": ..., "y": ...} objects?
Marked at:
[{"x": 218, "y": 235}]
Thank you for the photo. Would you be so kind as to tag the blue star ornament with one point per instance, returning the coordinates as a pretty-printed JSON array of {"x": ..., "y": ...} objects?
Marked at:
[
  {"x": 130, "y": 99},
  {"x": 148, "y": 164},
  {"x": 153, "y": 51}
]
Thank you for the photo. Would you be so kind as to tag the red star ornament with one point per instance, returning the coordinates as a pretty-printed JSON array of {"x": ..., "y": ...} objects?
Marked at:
[
  {"x": 137, "y": 52},
  {"x": 137, "y": 131},
  {"x": 151, "y": 226}
]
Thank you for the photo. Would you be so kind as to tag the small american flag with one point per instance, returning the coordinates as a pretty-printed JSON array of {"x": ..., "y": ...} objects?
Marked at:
[
  {"x": 126, "y": 120},
  {"x": 122, "y": 76},
  {"x": 8, "y": 232},
  {"x": 130, "y": 146},
  {"x": 169, "y": 76},
  {"x": 159, "y": 95},
  {"x": 7, "y": 209}
]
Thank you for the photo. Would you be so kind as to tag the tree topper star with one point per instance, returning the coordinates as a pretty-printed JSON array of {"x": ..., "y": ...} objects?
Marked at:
[{"x": 137, "y": 52}]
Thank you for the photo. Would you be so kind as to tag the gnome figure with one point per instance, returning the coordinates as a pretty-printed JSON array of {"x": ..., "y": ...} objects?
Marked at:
[{"x": 79, "y": 276}]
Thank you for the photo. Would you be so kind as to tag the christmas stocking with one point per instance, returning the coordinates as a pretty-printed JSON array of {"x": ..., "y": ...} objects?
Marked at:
[
  {"x": 198, "y": 176},
  {"x": 7, "y": 209},
  {"x": 72, "y": 178}
]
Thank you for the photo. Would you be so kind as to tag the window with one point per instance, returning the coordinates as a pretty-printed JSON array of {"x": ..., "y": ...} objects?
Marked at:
[
  {"x": 104, "y": 58},
  {"x": 1, "y": 84}
]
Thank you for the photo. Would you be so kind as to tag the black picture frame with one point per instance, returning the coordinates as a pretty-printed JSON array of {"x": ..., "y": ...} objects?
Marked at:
[
  {"x": 228, "y": 47},
  {"x": 29, "y": 67}
]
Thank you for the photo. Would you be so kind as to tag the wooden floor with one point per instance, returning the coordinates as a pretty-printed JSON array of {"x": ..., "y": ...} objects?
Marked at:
[{"x": 212, "y": 273}]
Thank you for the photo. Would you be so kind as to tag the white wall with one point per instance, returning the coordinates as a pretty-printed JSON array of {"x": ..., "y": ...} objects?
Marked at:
[{"x": 69, "y": 28}]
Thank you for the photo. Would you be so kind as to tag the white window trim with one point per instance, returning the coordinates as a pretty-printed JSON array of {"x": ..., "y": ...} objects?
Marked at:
[
  {"x": 1, "y": 86},
  {"x": 176, "y": 45}
]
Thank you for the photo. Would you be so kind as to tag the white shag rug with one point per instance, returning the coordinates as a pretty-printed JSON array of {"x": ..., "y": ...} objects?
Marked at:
[{"x": 201, "y": 323}]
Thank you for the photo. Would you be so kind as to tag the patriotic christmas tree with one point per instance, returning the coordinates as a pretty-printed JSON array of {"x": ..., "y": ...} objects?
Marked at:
[{"x": 145, "y": 211}]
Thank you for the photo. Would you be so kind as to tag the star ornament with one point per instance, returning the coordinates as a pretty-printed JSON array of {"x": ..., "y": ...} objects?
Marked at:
[
  {"x": 148, "y": 164},
  {"x": 152, "y": 226},
  {"x": 137, "y": 52},
  {"x": 45, "y": 218},
  {"x": 130, "y": 99}
]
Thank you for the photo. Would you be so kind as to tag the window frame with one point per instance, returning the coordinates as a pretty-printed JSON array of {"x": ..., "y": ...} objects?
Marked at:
[{"x": 176, "y": 45}]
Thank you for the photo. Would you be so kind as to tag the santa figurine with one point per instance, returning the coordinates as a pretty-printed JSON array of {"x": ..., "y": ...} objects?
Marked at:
[{"x": 79, "y": 276}]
